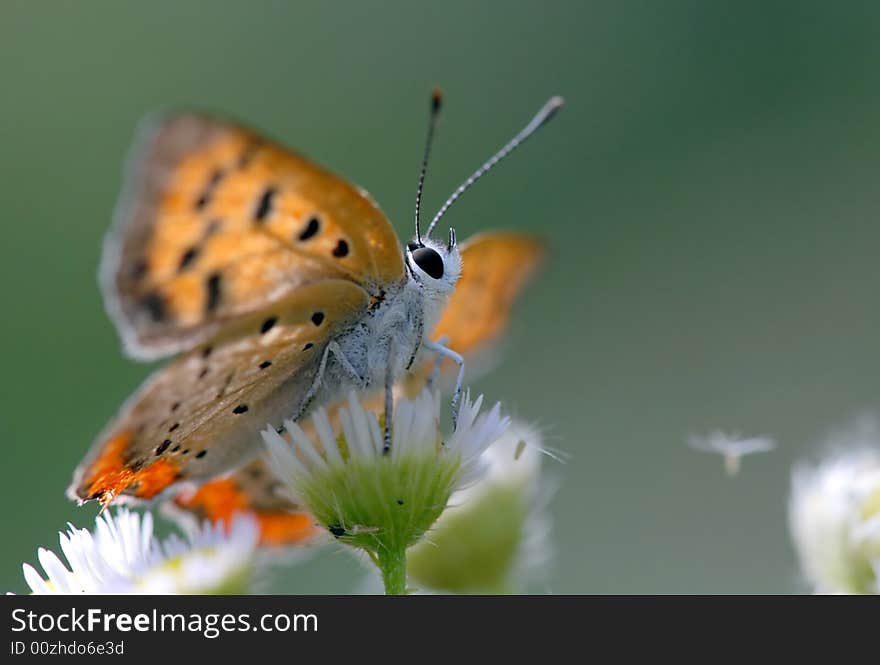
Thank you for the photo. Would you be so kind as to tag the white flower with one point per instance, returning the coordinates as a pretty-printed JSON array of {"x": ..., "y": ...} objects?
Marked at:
[
  {"x": 123, "y": 556},
  {"x": 834, "y": 517},
  {"x": 495, "y": 536},
  {"x": 383, "y": 502},
  {"x": 731, "y": 446},
  {"x": 414, "y": 434}
]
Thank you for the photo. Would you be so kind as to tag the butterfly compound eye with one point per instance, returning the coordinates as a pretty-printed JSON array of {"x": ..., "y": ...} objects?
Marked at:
[{"x": 429, "y": 260}]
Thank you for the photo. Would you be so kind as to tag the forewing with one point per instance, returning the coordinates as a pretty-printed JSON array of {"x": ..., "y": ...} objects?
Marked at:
[
  {"x": 217, "y": 222},
  {"x": 200, "y": 416}
]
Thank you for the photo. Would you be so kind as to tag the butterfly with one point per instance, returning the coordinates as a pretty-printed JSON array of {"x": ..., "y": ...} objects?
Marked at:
[{"x": 280, "y": 286}]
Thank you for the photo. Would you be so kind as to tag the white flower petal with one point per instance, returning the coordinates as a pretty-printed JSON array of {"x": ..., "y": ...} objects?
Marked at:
[
  {"x": 122, "y": 556},
  {"x": 356, "y": 447},
  {"x": 34, "y": 580},
  {"x": 55, "y": 571},
  {"x": 835, "y": 523},
  {"x": 282, "y": 458},
  {"x": 325, "y": 434}
]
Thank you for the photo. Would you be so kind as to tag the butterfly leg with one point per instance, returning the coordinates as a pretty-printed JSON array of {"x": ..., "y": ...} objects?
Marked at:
[
  {"x": 434, "y": 374},
  {"x": 420, "y": 333},
  {"x": 334, "y": 348},
  {"x": 445, "y": 352},
  {"x": 313, "y": 389},
  {"x": 389, "y": 408}
]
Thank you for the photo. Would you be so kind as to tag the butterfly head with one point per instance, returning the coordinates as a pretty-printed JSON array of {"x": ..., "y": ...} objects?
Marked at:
[{"x": 434, "y": 265}]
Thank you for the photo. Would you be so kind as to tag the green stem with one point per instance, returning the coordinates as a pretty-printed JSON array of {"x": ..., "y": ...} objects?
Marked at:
[{"x": 392, "y": 563}]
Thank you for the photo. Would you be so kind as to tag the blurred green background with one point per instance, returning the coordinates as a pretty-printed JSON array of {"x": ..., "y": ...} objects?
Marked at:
[{"x": 710, "y": 193}]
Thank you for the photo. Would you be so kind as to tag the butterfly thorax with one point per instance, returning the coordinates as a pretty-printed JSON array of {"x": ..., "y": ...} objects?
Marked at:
[{"x": 386, "y": 343}]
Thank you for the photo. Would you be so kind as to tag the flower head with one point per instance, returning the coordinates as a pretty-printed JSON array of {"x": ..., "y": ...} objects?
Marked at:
[
  {"x": 123, "y": 556},
  {"x": 383, "y": 502},
  {"x": 834, "y": 518},
  {"x": 495, "y": 535},
  {"x": 732, "y": 447}
]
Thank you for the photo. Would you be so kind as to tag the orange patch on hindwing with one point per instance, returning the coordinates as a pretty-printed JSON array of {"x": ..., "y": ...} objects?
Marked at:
[{"x": 220, "y": 500}]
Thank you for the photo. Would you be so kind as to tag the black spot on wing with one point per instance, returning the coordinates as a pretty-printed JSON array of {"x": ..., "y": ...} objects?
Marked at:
[
  {"x": 213, "y": 287},
  {"x": 154, "y": 304},
  {"x": 311, "y": 229},
  {"x": 205, "y": 197},
  {"x": 187, "y": 259},
  {"x": 318, "y": 318},
  {"x": 162, "y": 447},
  {"x": 264, "y": 205},
  {"x": 241, "y": 408},
  {"x": 268, "y": 324},
  {"x": 341, "y": 249}
]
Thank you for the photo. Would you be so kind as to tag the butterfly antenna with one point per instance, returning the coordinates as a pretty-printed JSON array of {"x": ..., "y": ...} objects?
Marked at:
[
  {"x": 436, "y": 103},
  {"x": 541, "y": 118}
]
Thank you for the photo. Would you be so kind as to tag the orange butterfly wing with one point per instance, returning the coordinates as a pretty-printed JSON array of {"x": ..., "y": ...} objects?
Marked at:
[
  {"x": 495, "y": 267},
  {"x": 217, "y": 222}
]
